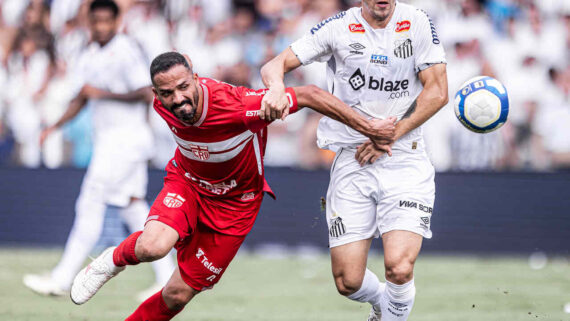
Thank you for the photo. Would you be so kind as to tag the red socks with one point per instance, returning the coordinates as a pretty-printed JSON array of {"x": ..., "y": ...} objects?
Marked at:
[
  {"x": 153, "y": 309},
  {"x": 124, "y": 254}
]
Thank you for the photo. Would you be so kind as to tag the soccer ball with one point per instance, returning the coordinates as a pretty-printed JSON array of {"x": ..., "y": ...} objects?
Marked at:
[{"x": 482, "y": 104}]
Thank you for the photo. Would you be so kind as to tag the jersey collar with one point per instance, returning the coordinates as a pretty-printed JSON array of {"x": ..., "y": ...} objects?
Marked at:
[{"x": 205, "y": 104}]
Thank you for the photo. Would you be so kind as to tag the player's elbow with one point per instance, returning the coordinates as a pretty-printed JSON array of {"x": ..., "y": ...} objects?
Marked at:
[
  {"x": 443, "y": 98},
  {"x": 271, "y": 67},
  {"x": 440, "y": 97}
]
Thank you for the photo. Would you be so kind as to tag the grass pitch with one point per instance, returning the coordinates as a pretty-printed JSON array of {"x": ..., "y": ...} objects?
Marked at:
[{"x": 301, "y": 289}]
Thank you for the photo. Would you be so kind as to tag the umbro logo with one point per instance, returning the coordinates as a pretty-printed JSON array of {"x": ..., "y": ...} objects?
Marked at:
[{"x": 357, "y": 46}]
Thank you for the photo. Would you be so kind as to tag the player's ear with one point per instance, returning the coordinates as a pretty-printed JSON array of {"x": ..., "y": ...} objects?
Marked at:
[{"x": 154, "y": 91}]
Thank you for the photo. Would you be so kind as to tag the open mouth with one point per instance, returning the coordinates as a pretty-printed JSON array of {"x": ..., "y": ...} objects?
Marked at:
[{"x": 382, "y": 4}]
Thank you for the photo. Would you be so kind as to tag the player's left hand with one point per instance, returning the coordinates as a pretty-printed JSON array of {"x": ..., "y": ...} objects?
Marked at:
[
  {"x": 368, "y": 152},
  {"x": 90, "y": 92}
]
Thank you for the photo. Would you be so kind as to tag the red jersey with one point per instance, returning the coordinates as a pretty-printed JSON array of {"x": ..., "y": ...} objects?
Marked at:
[{"x": 221, "y": 155}]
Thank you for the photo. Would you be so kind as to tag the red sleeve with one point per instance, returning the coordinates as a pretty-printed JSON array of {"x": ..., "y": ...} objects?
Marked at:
[{"x": 251, "y": 100}]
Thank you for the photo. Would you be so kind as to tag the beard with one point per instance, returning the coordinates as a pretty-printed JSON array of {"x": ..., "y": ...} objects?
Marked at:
[{"x": 183, "y": 115}]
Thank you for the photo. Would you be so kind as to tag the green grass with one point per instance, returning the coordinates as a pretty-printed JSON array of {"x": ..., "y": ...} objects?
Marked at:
[{"x": 256, "y": 288}]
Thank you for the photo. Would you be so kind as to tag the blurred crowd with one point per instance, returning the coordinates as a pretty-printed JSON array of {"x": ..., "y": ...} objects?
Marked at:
[{"x": 523, "y": 43}]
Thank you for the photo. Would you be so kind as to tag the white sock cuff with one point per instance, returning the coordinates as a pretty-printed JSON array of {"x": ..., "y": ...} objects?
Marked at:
[
  {"x": 370, "y": 281},
  {"x": 401, "y": 292}
]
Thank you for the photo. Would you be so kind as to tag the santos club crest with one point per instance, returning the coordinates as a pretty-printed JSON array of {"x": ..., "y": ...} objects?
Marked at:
[{"x": 173, "y": 200}]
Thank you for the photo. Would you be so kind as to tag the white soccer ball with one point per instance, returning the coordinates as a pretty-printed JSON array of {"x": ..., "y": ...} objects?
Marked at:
[{"x": 482, "y": 104}]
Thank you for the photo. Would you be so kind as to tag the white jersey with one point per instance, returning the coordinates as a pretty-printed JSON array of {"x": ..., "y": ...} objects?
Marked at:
[
  {"x": 372, "y": 70},
  {"x": 119, "y": 67}
]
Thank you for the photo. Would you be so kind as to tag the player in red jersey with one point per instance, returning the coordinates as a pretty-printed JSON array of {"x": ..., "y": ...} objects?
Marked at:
[{"x": 214, "y": 184}]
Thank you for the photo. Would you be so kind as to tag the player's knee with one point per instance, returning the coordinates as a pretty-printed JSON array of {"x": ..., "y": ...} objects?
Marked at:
[
  {"x": 400, "y": 272},
  {"x": 347, "y": 285},
  {"x": 176, "y": 297},
  {"x": 149, "y": 249}
]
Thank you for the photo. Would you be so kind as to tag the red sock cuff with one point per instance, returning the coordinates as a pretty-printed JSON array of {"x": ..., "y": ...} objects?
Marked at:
[
  {"x": 154, "y": 308},
  {"x": 124, "y": 254}
]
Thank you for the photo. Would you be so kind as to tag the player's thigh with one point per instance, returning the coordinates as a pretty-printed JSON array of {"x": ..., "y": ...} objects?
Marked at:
[
  {"x": 407, "y": 198},
  {"x": 351, "y": 202},
  {"x": 401, "y": 248},
  {"x": 348, "y": 261},
  {"x": 204, "y": 257}
]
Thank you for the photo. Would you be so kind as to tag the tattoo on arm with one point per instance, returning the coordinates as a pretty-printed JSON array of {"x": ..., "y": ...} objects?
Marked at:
[{"x": 411, "y": 109}]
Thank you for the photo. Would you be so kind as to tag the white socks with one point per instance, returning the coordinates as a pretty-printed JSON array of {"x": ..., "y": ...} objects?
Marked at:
[
  {"x": 397, "y": 301},
  {"x": 371, "y": 290}
]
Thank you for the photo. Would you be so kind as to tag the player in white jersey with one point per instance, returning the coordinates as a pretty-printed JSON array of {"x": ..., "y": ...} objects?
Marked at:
[
  {"x": 112, "y": 76},
  {"x": 384, "y": 59}
]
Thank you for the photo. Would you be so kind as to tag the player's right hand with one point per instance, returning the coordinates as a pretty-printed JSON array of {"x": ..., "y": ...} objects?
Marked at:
[
  {"x": 274, "y": 104},
  {"x": 44, "y": 135},
  {"x": 383, "y": 131}
]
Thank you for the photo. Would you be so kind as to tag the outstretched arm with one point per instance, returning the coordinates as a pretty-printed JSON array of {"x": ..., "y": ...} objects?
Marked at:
[
  {"x": 73, "y": 109},
  {"x": 144, "y": 94},
  {"x": 379, "y": 131},
  {"x": 274, "y": 104}
]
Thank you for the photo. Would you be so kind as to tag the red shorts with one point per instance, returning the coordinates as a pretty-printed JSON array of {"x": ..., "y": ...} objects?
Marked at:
[{"x": 203, "y": 253}]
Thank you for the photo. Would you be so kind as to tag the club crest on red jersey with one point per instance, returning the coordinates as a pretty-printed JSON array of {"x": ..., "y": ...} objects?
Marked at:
[
  {"x": 356, "y": 27},
  {"x": 402, "y": 26},
  {"x": 173, "y": 200},
  {"x": 201, "y": 152}
]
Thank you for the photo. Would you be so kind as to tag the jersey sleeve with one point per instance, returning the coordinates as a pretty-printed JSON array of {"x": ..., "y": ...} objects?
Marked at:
[
  {"x": 136, "y": 66},
  {"x": 428, "y": 47},
  {"x": 251, "y": 103},
  {"x": 78, "y": 75},
  {"x": 317, "y": 44}
]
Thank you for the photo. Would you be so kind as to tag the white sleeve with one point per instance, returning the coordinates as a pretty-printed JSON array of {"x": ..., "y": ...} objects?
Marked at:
[
  {"x": 317, "y": 44},
  {"x": 136, "y": 72},
  {"x": 428, "y": 48},
  {"x": 78, "y": 76}
]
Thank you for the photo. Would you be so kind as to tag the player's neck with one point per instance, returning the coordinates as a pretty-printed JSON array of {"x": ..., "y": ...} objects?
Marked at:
[
  {"x": 200, "y": 107},
  {"x": 373, "y": 22},
  {"x": 104, "y": 43}
]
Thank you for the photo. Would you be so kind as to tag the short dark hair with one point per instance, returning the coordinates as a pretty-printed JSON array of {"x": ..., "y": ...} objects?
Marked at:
[
  {"x": 104, "y": 4},
  {"x": 165, "y": 61}
]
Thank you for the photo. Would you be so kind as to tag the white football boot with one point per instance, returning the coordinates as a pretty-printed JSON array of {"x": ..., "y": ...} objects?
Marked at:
[
  {"x": 374, "y": 315},
  {"x": 89, "y": 280},
  {"x": 44, "y": 284}
]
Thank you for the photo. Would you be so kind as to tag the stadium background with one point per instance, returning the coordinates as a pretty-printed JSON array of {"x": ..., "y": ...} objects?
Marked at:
[{"x": 501, "y": 216}]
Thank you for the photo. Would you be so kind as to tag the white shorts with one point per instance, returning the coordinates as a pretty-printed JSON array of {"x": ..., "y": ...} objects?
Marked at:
[
  {"x": 394, "y": 193},
  {"x": 114, "y": 179}
]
